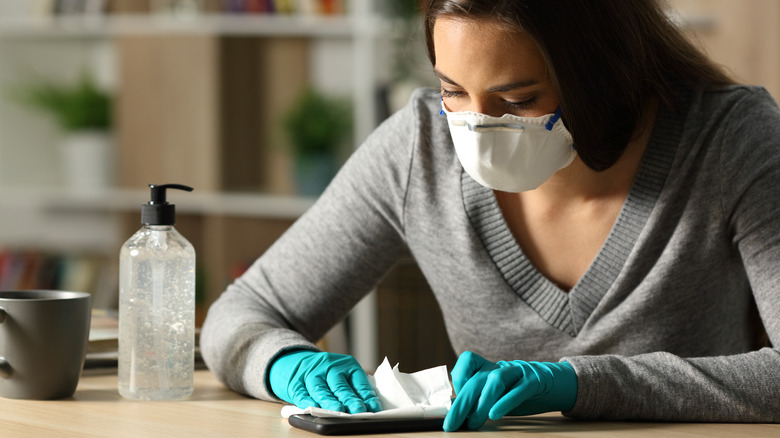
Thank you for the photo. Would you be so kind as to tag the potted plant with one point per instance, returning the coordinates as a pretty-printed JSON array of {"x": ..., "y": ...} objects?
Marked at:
[
  {"x": 318, "y": 126},
  {"x": 84, "y": 113}
]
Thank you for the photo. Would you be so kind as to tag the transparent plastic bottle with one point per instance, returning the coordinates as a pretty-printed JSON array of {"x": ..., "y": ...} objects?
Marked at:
[{"x": 157, "y": 306}]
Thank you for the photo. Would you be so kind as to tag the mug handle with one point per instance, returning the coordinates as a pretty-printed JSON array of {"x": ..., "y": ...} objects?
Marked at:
[{"x": 5, "y": 367}]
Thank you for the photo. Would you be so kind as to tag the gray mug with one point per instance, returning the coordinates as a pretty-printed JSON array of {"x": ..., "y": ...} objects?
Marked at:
[{"x": 43, "y": 342}]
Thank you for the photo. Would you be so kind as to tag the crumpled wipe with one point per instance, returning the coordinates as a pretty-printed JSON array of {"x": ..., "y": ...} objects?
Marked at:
[{"x": 424, "y": 394}]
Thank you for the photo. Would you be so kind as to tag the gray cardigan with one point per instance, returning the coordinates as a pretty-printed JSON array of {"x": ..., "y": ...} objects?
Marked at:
[{"x": 668, "y": 323}]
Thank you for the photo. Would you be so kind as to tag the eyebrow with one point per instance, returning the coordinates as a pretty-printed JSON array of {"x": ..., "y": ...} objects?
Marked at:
[{"x": 497, "y": 89}]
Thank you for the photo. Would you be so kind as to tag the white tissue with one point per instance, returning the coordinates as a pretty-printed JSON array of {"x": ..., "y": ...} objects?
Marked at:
[{"x": 423, "y": 394}]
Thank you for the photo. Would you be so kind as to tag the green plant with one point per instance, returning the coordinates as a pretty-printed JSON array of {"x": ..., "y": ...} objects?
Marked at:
[
  {"x": 317, "y": 124},
  {"x": 78, "y": 106}
]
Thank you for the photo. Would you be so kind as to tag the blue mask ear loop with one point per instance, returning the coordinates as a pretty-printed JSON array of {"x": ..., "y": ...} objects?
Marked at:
[
  {"x": 553, "y": 119},
  {"x": 441, "y": 111}
]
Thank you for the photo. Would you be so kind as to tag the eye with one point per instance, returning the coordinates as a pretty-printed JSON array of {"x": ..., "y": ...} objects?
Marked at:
[
  {"x": 450, "y": 94},
  {"x": 522, "y": 105}
]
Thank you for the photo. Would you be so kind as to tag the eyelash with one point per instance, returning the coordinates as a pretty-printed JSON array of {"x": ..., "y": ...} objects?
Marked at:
[
  {"x": 512, "y": 105},
  {"x": 522, "y": 105},
  {"x": 450, "y": 94}
]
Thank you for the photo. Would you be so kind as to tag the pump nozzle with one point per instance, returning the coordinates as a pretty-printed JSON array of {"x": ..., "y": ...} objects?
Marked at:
[
  {"x": 158, "y": 211},
  {"x": 158, "y": 191}
]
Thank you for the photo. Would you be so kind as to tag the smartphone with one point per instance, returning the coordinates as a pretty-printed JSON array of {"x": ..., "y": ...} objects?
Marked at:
[{"x": 347, "y": 426}]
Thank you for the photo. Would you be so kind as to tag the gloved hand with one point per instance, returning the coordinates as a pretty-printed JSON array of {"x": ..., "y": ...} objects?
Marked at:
[
  {"x": 491, "y": 390},
  {"x": 319, "y": 379}
]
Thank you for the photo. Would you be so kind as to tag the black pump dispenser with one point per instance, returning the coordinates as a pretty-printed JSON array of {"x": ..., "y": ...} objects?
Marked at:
[{"x": 158, "y": 211}]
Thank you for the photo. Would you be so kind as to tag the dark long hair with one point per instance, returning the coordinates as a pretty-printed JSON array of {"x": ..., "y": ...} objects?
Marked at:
[{"x": 606, "y": 58}]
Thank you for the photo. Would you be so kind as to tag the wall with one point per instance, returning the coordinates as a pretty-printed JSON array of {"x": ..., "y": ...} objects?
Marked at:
[{"x": 743, "y": 36}]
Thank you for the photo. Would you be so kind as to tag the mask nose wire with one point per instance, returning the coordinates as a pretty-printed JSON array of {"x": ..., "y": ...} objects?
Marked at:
[
  {"x": 548, "y": 126},
  {"x": 498, "y": 127}
]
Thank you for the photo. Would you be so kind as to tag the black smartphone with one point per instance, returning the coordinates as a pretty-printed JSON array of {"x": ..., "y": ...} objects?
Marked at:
[{"x": 347, "y": 426}]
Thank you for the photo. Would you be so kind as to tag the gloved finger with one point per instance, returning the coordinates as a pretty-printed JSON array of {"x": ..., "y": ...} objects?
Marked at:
[
  {"x": 467, "y": 365},
  {"x": 523, "y": 391},
  {"x": 465, "y": 402},
  {"x": 320, "y": 391},
  {"x": 532, "y": 406},
  {"x": 497, "y": 384},
  {"x": 299, "y": 395},
  {"x": 342, "y": 389},
  {"x": 364, "y": 390}
]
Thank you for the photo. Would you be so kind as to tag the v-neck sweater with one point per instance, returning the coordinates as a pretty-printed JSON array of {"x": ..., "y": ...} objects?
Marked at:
[
  {"x": 669, "y": 322},
  {"x": 568, "y": 310}
]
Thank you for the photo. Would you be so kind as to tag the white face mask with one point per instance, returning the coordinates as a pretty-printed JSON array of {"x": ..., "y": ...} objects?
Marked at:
[{"x": 510, "y": 153}]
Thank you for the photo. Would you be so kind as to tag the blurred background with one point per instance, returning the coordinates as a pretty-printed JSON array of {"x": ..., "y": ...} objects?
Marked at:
[{"x": 256, "y": 104}]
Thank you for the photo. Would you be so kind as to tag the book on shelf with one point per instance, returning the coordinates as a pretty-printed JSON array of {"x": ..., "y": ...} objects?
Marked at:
[
  {"x": 185, "y": 7},
  {"x": 24, "y": 269}
]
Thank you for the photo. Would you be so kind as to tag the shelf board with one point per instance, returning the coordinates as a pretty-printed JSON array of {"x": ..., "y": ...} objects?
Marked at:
[
  {"x": 121, "y": 200},
  {"x": 341, "y": 26}
]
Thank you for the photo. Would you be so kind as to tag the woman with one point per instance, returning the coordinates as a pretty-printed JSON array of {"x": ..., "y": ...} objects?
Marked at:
[{"x": 586, "y": 190}]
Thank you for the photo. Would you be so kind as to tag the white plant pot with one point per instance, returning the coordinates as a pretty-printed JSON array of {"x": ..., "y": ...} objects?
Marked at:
[{"x": 88, "y": 159}]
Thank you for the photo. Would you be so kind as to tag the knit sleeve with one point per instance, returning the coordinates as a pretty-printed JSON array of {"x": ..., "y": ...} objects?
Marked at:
[{"x": 320, "y": 268}]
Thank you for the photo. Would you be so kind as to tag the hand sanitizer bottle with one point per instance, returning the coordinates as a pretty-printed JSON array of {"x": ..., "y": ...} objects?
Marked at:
[{"x": 157, "y": 306}]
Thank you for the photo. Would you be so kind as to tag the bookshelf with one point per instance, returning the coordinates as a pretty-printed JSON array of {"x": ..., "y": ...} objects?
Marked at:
[
  {"x": 152, "y": 60},
  {"x": 182, "y": 84}
]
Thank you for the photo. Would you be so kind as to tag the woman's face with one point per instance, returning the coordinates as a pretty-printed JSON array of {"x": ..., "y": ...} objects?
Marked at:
[{"x": 485, "y": 69}]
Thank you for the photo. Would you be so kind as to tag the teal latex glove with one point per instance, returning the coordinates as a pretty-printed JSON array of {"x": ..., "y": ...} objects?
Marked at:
[
  {"x": 327, "y": 380},
  {"x": 491, "y": 390}
]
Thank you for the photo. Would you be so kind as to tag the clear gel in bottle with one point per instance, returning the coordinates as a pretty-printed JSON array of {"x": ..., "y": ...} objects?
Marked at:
[{"x": 157, "y": 306}]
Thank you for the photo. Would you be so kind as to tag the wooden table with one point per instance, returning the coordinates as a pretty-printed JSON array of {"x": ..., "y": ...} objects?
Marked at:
[{"x": 97, "y": 410}]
